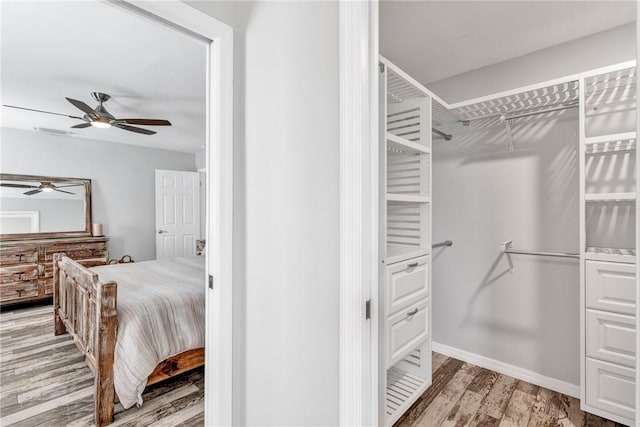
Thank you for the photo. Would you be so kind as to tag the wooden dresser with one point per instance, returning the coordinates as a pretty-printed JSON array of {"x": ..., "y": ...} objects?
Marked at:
[{"x": 26, "y": 266}]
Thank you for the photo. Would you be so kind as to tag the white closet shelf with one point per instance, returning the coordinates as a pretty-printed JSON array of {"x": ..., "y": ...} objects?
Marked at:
[
  {"x": 402, "y": 390},
  {"x": 610, "y": 197},
  {"x": 407, "y": 198},
  {"x": 397, "y": 253},
  {"x": 614, "y": 80},
  {"x": 403, "y": 145},
  {"x": 400, "y": 86},
  {"x": 556, "y": 95},
  {"x": 610, "y": 254},
  {"x": 610, "y": 143}
]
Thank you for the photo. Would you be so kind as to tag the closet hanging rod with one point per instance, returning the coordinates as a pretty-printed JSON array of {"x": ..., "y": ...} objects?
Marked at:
[
  {"x": 534, "y": 113},
  {"x": 507, "y": 249},
  {"x": 445, "y": 243},
  {"x": 446, "y": 136},
  {"x": 504, "y": 116}
]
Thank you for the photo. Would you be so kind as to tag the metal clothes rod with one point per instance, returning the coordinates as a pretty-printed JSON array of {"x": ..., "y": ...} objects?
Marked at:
[
  {"x": 445, "y": 243},
  {"x": 507, "y": 248},
  {"x": 535, "y": 113},
  {"x": 446, "y": 136},
  {"x": 519, "y": 116},
  {"x": 553, "y": 254}
]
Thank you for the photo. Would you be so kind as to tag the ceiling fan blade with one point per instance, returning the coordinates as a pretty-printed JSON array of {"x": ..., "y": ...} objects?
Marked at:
[
  {"x": 134, "y": 129},
  {"x": 6, "y": 184},
  {"x": 32, "y": 192},
  {"x": 82, "y": 106},
  {"x": 147, "y": 122},
  {"x": 81, "y": 125},
  {"x": 70, "y": 185},
  {"x": 41, "y": 111},
  {"x": 62, "y": 191}
]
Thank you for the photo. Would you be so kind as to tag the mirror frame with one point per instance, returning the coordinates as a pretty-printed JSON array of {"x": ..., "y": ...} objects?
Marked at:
[{"x": 52, "y": 234}]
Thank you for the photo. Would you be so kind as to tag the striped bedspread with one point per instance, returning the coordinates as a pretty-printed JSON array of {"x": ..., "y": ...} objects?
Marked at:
[{"x": 161, "y": 312}]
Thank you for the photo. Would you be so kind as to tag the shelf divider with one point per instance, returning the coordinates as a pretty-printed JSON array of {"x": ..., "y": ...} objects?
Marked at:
[
  {"x": 610, "y": 197},
  {"x": 404, "y": 145}
]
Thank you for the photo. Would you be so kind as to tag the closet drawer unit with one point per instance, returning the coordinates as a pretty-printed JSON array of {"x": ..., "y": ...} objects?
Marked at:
[
  {"x": 611, "y": 286},
  {"x": 14, "y": 255},
  {"x": 406, "y": 330},
  {"x": 610, "y": 388},
  {"x": 14, "y": 292},
  {"x": 407, "y": 283},
  {"x": 18, "y": 273},
  {"x": 611, "y": 337}
]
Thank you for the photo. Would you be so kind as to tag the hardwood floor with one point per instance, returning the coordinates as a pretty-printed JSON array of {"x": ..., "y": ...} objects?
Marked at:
[
  {"x": 466, "y": 395},
  {"x": 44, "y": 381}
]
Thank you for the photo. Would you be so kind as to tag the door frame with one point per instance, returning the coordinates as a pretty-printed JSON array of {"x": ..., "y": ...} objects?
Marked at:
[
  {"x": 359, "y": 201},
  {"x": 637, "y": 216},
  {"x": 219, "y": 223}
]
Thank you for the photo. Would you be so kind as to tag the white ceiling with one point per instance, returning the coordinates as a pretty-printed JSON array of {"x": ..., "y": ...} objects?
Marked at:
[
  {"x": 433, "y": 40},
  {"x": 57, "y": 49}
]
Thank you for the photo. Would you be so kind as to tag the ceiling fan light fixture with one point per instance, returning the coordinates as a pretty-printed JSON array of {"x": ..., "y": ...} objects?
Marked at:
[
  {"x": 100, "y": 123},
  {"x": 47, "y": 189}
]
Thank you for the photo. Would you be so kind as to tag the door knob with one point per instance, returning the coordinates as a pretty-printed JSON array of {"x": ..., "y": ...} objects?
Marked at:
[{"x": 162, "y": 231}]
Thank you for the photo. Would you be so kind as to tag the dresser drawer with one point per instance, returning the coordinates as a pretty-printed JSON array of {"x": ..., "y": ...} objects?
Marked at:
[
  {"x": 611, "y": 337},
  {"x": 611, "y": 286},
  {"x": 610, "y": 388},
  {"x": 18, "y": 290},
  {"x": 76, "y": 251},
  {"x": 14, "y": 255},
  {"x": 18, "y": 273},
  {"x": 93, "y": 262},
  {"x": 407, "y": 283},
  {"x": 406, "y": 330}
]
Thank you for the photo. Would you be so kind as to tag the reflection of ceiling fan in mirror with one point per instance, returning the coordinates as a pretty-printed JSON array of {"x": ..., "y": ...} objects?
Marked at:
[
  {"x": 101, "y": 118},
  {"x": 44, "y": 186}
]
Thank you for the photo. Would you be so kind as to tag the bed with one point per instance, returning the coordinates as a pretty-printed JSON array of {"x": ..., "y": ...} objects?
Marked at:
[{"x": 137, "y": 324}]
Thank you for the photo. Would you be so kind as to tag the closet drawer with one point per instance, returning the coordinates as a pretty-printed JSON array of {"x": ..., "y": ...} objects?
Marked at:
[
  {"x": 407, "y": 283},
  {"x": 611, "y": 286},
  {"x": 406, "y": 330},
  {"x": 610, "y": 388},
  {"x": 611, "y": 337}
]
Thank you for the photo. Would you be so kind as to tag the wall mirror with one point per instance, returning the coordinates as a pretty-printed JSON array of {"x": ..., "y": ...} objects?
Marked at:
[{"x": 34, "y": 207}]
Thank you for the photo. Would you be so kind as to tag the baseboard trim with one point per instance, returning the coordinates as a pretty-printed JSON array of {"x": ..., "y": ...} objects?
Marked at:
[{"x": 507, "y": 369}]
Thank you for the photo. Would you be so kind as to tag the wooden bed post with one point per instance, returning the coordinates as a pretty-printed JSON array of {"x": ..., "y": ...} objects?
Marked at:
[
  {"x": 104, "y": 353},
  {"x": 58, "y": 324}
]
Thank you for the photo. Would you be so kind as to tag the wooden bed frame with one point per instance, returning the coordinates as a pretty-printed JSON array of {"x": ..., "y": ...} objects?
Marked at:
[{"x": 86, "y": 309}]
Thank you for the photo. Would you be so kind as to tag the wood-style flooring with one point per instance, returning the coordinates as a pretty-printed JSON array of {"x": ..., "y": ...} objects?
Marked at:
[
  {"x": 44, "y": 381},
  {"x": 466, "y": 395}
]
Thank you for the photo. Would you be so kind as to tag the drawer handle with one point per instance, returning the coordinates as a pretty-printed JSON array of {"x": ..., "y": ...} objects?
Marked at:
[
  {"x": 412, "y": 312},
  {"x": 413, "y": 264}
]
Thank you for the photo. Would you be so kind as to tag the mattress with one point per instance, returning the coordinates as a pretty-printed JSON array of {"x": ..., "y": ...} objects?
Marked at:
[{"x": 161, "y": 313}]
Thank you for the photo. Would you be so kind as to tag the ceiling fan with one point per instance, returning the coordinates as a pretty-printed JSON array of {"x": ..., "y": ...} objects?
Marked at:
[
  {"x": 99, "y": 117},
  {"x": 45, "y": 186}
]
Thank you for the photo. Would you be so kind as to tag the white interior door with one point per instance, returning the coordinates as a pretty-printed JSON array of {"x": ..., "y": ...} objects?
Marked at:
[{"x": 177, "y": 213}]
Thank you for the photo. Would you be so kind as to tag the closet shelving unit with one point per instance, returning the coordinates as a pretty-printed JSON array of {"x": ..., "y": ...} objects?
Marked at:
[
  {"x": 608, "y": 146},
  {"x": 405, "y": 242}
]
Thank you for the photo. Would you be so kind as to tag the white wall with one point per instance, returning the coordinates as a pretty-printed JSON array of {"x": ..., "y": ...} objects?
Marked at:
[
  {"x": 484, "y": 195},
  {"x": 123, "y": 177},
  {"x": 286, "y": 233},
  {"x": 597, "y": 50}
]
